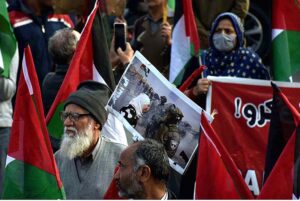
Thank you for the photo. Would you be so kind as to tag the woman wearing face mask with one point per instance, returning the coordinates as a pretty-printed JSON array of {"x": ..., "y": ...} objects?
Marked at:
[{"x": 227, "y": 55}]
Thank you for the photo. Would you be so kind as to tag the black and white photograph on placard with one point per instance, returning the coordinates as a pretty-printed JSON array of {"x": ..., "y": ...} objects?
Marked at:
[{"x": 149, "y": 106}]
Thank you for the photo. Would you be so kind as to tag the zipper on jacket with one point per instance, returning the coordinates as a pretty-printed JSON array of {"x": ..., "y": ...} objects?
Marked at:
[{"x": 43, "y": 28}]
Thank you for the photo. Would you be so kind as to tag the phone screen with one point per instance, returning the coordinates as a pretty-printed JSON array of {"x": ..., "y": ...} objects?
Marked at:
[{"x": 120, "y": 36}]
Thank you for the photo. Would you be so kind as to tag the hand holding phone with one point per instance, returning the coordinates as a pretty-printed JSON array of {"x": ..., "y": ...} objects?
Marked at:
[{"x": 120, "y": 36}]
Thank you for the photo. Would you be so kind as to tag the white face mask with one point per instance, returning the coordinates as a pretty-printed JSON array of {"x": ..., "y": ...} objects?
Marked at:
[{"x": 224, "y": 42}]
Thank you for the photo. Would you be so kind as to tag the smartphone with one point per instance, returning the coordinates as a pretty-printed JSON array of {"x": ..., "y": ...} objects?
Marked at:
[{"x": 120, "y": 36}]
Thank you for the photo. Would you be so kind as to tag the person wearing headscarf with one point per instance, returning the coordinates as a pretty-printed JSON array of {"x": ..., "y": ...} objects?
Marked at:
[
  {"x": 86, "y": 159},
  {"x": 227, "y": 55},
  {"x": 205, "y": 12},
  {"x": 135, "y": 109}
]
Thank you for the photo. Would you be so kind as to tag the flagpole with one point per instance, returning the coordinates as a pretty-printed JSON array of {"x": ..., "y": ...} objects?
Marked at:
[
  {"x": 165, "y": 11},
  {"x": 200, "y": 63}
]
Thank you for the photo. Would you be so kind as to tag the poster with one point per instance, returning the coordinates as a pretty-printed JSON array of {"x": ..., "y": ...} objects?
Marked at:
[{"x": 169, "y": 116}]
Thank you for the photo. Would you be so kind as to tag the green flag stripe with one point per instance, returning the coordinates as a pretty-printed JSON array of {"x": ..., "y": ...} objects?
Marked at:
[
  {"x": 55, "y": 126},
  {"x": 178, "y": 79},
  {"x": 8, "y": 44},
  {"x": 171, "y": 4},
  {"x": 286, "y": 59},
  {"x": 192, "y": 52},
  {"x": 24, "y": 181}
]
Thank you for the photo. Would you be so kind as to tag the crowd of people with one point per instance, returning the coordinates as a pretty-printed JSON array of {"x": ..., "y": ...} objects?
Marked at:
[{"x": 85, "y": 158}]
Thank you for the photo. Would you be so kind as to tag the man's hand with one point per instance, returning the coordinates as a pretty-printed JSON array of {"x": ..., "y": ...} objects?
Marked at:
[
  {"x": 125, "y": 56},
  {"x": 166, "y": 31}
]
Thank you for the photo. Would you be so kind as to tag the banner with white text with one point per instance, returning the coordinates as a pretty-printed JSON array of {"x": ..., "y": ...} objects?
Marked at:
[{"x": 243, "y": 109}]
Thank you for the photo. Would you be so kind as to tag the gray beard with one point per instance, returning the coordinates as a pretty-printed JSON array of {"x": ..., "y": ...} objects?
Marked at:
[
  {"x": 134, "y": 191},
  {"x": 72, "y": 147}
]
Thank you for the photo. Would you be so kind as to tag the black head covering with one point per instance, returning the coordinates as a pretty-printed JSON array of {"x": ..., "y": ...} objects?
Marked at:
[{"x": 93, "y": 97}]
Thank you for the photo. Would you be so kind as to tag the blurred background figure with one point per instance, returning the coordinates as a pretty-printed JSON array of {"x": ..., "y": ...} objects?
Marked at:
[
  {"x": 7, "y": 91},
  {"x": 61, "y": 48},
  {"x": 134, "y": 10},
  {"x": 9, "y": 58},
  {"x": 34, "y": 23},
  {"x": 152, "y": 36},
  {"x": 206, "y": 12}
]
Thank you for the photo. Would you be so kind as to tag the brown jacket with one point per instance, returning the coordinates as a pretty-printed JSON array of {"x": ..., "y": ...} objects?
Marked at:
[
  {"x": 151, "y": 44},
  {"x": 206, "y": 11}
]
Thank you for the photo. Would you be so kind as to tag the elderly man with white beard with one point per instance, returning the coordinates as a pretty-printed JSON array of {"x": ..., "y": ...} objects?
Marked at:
[{"x": 86, "y": 160}]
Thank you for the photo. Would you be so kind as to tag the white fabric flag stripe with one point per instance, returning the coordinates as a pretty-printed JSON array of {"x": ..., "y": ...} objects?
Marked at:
[
  {"x": 210, "y": 140},
  {"x": 1, "y": 61},
  {"x": 276, "y": 32},
  {"x": 26, "y": 75},
  {"x": 180, "y": 52},
  {"x": 9, "y": 160},
  {"x": 97, "y": 77},
  {"x": 113, "y": 129}
]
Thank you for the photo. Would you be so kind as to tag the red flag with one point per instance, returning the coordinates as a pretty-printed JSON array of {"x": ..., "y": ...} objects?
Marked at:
[
  {"x": 217, "y": 175},
  {"x": 81, "y": 68},
  {"x": 285, "y": 40},
  {"x": 31, "y": 171},
  {"x": 191, "y": 78},
  {"x": 112, "y": 190},
  {"x": 282, "y": 181},
  {"x": 286, "y": 15}
]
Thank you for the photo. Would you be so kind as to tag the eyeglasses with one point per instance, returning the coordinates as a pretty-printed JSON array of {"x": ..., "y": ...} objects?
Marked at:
[{"x": 73, "y": 116}]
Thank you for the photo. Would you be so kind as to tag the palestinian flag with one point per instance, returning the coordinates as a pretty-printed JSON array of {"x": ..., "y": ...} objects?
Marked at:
[
  {"x": 186, "y": 44},
  {"x": 90, "y": 58},
  {"x": 168, "y": 9},
  {"x": 286, "y": 40},
  {"x": 282, "y": 180},
  {"x": 31, "y": 171},
  {"x": 8, "y": 43},
  {"x": 171, "y": 7},
  {"x": 217, "y": 175}
]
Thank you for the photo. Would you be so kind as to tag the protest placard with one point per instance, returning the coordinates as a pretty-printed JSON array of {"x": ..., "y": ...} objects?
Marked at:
[{"x": 172, "y": 118}]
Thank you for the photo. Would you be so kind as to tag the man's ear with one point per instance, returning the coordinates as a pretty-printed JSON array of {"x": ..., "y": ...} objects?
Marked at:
[
  {"x": 144, "y": 173},
  {"x": 97, "y": 126}
]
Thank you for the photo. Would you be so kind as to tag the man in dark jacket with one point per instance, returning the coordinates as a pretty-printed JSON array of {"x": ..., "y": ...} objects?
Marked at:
[
  {"x": 62, "y": 46},
  {"x": 34, "y": 23}
]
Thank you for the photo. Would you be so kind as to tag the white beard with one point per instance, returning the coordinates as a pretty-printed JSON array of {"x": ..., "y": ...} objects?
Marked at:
[{"x": 75, "y": 146}]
